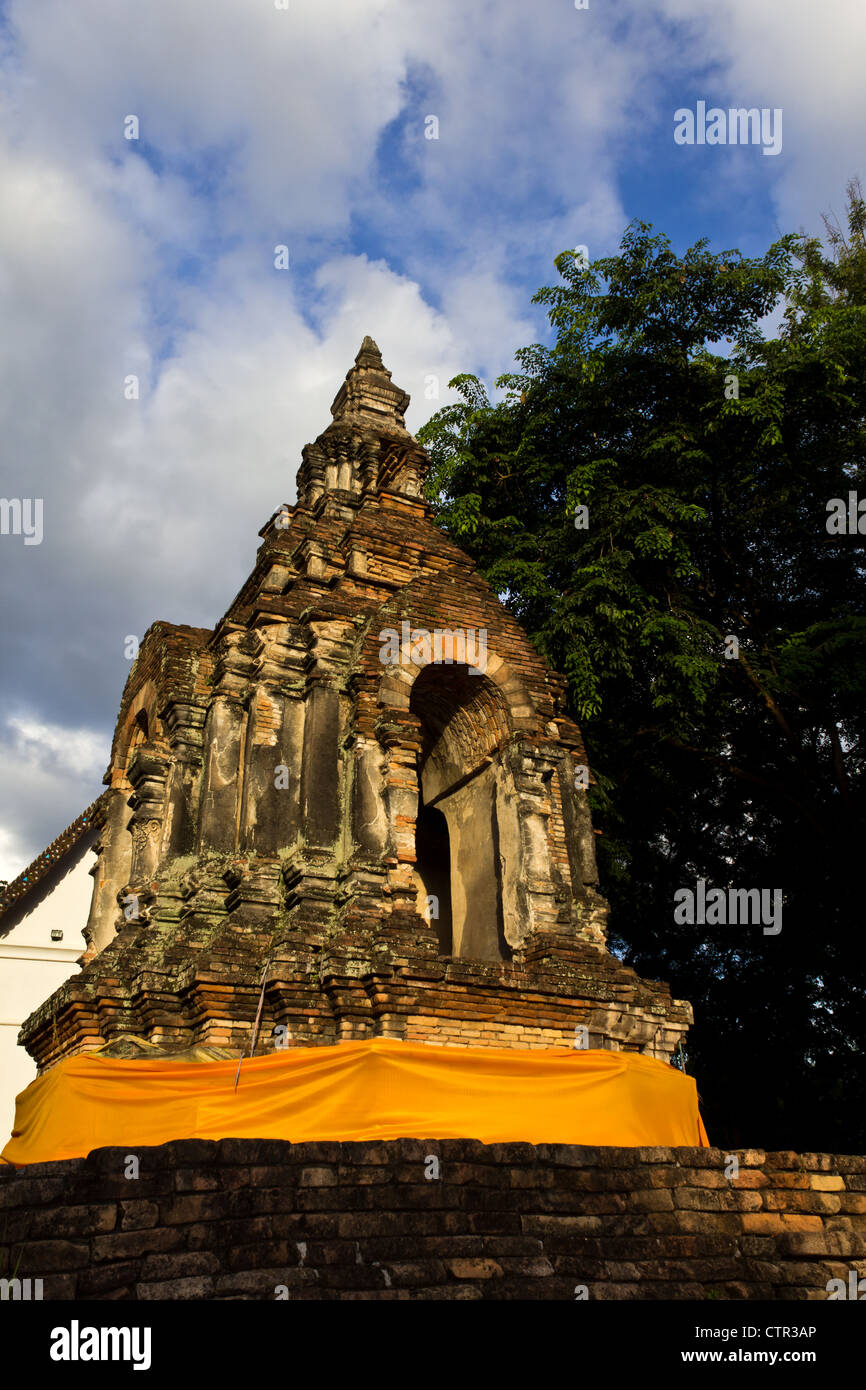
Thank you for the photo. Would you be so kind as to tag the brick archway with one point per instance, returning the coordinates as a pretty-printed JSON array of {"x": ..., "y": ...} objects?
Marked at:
[
  {"x": 139, "y": 726},
  {"x": 397, "y": 681},
  {"x": 463, "y": 727}
]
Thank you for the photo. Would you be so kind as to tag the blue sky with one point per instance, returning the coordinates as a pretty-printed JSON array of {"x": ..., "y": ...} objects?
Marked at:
[{"x": 306, "y": 127}]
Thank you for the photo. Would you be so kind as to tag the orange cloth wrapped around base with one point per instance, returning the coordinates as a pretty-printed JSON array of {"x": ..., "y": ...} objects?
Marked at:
[{"x": 375, "y": 1089}]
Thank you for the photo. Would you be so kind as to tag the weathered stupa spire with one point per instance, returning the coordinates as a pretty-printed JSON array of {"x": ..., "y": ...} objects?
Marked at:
[
  {"x": 368, "y": 394},
  {"x": 366, "y": 448}
]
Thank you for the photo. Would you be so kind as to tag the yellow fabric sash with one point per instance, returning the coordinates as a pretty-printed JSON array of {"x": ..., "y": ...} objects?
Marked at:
[{"x": 375, "y": 1089}]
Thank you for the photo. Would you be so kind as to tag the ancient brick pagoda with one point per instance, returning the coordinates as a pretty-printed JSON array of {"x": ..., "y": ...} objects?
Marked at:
[{"x": 390, "y": 838}]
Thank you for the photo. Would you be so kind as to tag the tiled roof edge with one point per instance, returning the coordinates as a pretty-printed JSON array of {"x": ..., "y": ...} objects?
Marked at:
[{"x": 36, "y": 871}]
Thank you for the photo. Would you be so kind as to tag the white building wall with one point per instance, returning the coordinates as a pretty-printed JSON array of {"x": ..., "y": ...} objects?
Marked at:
[{"x": 32, "y": 965}]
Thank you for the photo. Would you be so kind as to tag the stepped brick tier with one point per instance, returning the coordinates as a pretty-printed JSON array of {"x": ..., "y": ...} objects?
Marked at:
[
  {"x": 361, "y": 787},
  {"x": 263, "y": 1219}
]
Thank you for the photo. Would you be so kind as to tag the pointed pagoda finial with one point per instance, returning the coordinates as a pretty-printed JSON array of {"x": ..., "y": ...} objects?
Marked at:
[
  {"x": 368, "y": 392},
  {"x": 369, "y": 355}
]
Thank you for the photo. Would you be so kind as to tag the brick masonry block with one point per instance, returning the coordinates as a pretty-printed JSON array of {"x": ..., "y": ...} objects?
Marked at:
[
  {"x": 137, "y": 1215},
  {"x": 849, "y": 1163},
  {"x": 474, "y": 1269},
  {"x": 42, "y": 1257},
  {"x": 701, "y": 1158},
  {"x": 785, "y": 1159},
  {"x": 176, "y": 1289},
  {"x": 180, "y": 1266}
]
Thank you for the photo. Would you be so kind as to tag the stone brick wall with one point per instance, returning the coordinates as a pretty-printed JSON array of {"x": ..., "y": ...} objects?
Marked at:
[{"x": 243, "y": 1218}]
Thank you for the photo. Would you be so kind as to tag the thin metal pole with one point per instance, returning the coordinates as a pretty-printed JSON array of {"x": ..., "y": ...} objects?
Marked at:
[{"x": 257, "y": 1022}]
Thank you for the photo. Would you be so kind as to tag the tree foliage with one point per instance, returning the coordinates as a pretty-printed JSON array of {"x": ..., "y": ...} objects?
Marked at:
[{"x": 705, "y": 454}]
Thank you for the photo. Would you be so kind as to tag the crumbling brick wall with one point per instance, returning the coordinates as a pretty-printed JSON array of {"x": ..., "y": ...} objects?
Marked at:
[{"x": 261, "y": 1219}]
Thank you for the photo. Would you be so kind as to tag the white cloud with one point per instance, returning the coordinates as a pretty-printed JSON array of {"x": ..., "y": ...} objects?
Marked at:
[
  {"x": 804, "y": 60},
  {"x": 51, "y": 773},
  {"x": 82, "y": 752},
  {"x": 14, "y": 854}
]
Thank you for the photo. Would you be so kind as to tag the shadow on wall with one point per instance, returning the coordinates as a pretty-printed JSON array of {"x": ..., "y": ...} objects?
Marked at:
[
  {"x": 433, "y": 865},
  {"x": 464, "y": 727}
]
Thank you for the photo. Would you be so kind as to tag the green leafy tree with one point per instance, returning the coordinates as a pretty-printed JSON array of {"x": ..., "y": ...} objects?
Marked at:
[{"x": 710, "y": 627}]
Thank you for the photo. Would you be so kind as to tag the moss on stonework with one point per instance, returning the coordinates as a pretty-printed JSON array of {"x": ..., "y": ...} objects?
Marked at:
[{"x": 175, "y": 868}]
